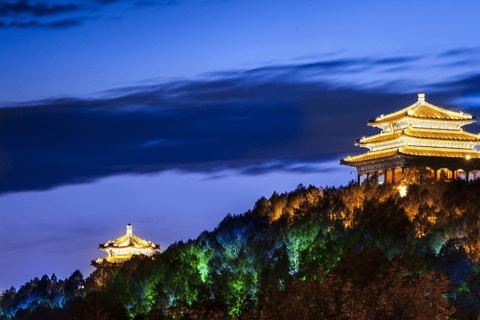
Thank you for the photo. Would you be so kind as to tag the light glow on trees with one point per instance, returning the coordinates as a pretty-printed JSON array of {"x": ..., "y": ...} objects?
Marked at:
[{"x": 402, "y": 190}]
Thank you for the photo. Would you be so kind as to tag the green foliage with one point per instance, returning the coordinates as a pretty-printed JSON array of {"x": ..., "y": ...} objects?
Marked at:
[
  {"x": 45, "y": 293},
  {"x": 275, "y": 252},
  {"x": 120, "y": 291}
]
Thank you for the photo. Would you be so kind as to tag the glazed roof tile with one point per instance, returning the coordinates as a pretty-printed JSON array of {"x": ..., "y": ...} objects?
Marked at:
[
  {"x": 439, "y": 152},
  {"x": 369, "y": 156},
  {"x": 413, "y": 151},
  {"x": 127, "y": 241},
  {"x": 459, "y": 135},
  {"x": 381, "y": 137},
  {"x": 423, "y": 110}
]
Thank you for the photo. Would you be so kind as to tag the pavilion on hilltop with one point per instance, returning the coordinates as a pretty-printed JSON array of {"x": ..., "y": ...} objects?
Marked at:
[
  {"x": 421, "y": 135},
  {"x": 123, "y": 249},
  {"x": 120, "y": 251}
]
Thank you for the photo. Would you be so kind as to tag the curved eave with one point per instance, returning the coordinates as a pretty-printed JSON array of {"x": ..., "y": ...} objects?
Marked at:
[
  {"x": 358, "y": 142},
  {"x": 365, "y": 144},
  {"x": 110, "y": 246},
  {"x": 411, "y": 152},
  {"x": 374, "y": 156},
  {"x": 375, "y": 122},
  {"x": 444, "y": 139},
  {"x": 438, "y": 153},
  {"x": 125, "y": 241}
]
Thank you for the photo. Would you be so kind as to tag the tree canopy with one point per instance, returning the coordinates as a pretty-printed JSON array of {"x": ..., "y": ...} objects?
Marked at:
[{"x": 354, "y": 252}]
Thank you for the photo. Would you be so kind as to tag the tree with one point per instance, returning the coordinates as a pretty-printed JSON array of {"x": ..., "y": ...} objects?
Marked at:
[
  {"x": 361, "y": 286},
  {"x": 74, "y": 283}
]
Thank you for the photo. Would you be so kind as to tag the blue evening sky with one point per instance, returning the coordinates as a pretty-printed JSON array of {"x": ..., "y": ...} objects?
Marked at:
[{"x": 171, "y": 114}]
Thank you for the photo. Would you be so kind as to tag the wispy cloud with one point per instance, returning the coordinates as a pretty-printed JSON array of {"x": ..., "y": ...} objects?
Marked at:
[
  {"x": 465, "y": 85},
  {"x": 39, "y": 9},
  {"x": 242, "y": 120},
  {"x": 40, "y": 14},
  {"x": 25, "y": 14},
  {"x": 459, "y": 52},
  {"x": 60, "y": 24}
]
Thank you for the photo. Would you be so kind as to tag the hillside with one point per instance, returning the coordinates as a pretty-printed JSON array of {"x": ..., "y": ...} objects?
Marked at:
[{"x": 354, "y": 252}]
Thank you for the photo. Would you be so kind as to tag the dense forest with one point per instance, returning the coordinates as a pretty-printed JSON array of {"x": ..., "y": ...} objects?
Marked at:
[{"x": 354, "y": 252}]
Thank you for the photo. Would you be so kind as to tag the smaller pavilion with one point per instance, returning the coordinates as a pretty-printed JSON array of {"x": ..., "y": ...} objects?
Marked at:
[{"x": 123, "y": 249}]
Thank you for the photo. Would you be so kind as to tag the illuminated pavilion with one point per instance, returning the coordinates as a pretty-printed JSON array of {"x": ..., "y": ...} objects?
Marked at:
[
  {"x": 123, "y": 249},
  {"x": 421, "y": 135}
]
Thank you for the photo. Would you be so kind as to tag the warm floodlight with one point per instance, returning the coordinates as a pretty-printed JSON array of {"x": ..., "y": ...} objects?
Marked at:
[
  {"x": 468, "y": 157},
  {"x": 402, "y": 190}
]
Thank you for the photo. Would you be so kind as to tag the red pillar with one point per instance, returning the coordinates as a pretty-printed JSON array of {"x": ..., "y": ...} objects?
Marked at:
[
  {"x": 390, "y": 175},
  {"x": 394, "y": 172}
]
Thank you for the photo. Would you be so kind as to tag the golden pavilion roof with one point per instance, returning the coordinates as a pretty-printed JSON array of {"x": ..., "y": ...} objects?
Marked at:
[
  {"x": 423, "y": 110},
  {"x": 414, "y": 151},
  {"x": 410, "y": 137},
  {"x": 440, "y": 152},
  {"x": 123, "y": 249},
  {"x": 372, "y": 156},
  {"x": 420, "y": 133},
  {"x": 129, "y": 240}
]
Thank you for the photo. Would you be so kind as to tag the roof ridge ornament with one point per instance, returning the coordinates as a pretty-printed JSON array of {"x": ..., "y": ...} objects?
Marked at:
[
  {"x": 129, "y": 230},
  {"x": 421, "y": 97}
]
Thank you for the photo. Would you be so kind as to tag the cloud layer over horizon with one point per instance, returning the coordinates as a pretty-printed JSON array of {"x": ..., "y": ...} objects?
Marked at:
[{"x": 282, "y": 117}]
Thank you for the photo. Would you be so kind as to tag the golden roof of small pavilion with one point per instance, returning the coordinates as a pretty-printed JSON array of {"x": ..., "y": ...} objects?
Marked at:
[
  {"x": 425, "y": 134},
  {"x": 128, "y": 240},
  {"x": 423, "y": 110},
  {"x": 413, "y": 151}
]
